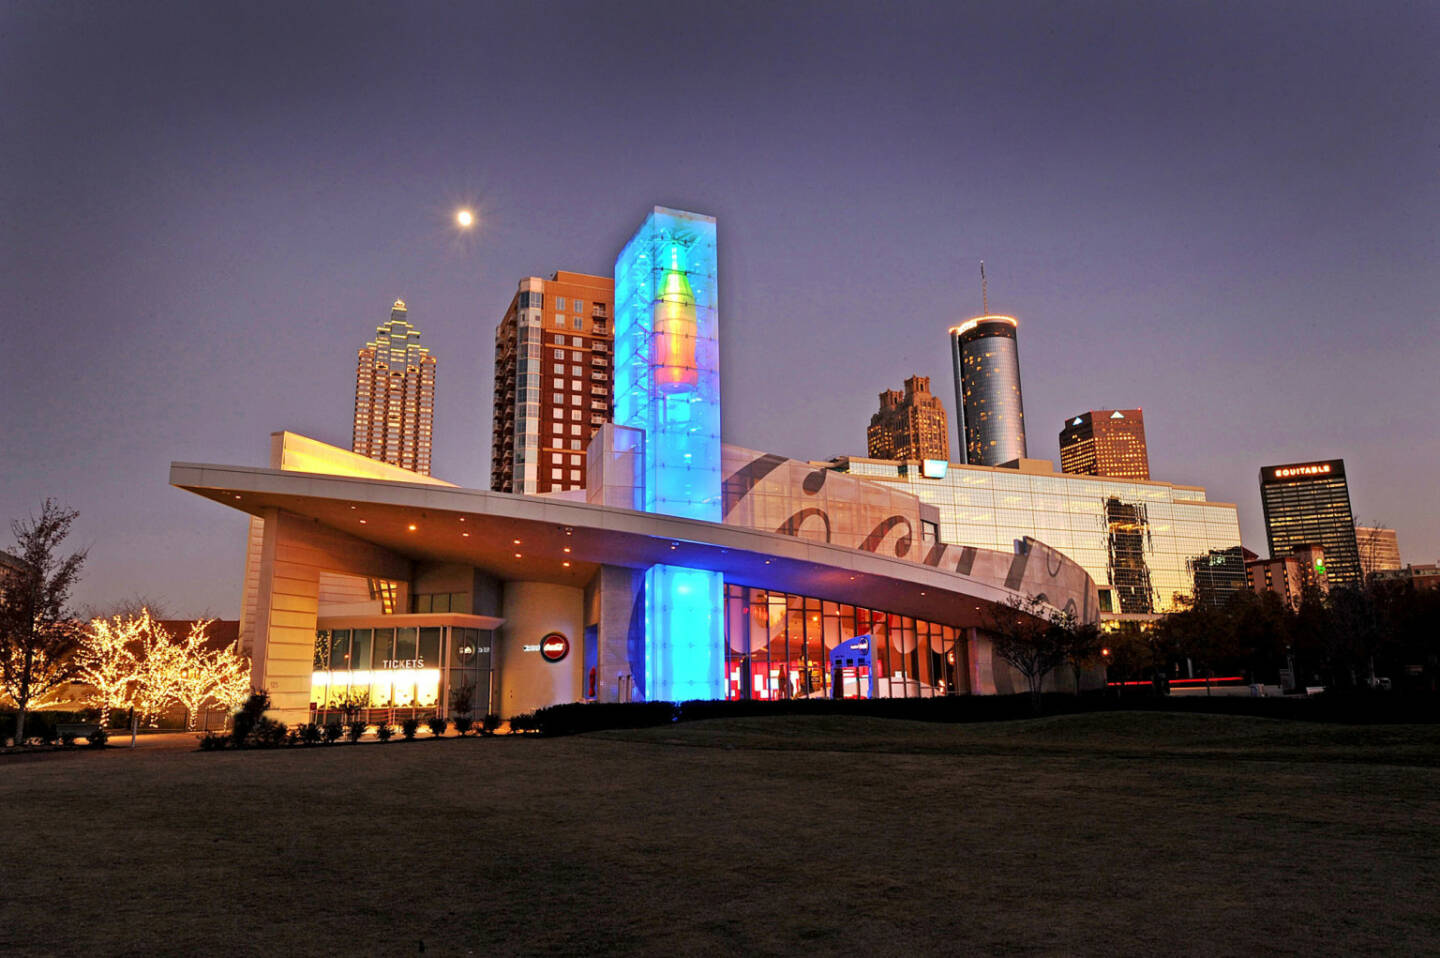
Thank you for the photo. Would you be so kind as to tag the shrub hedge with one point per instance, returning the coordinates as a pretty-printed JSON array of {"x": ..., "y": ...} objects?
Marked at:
[{"x": 1352, "y": 708}]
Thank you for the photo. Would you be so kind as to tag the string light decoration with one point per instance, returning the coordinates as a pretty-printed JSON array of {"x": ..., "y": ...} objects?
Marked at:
[
  {"x": 105, "y": 660},
  {"x": 135, "y": 662}
]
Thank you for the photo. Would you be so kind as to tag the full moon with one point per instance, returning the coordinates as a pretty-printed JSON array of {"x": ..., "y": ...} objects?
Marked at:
[{"x": 465, "y": 218}]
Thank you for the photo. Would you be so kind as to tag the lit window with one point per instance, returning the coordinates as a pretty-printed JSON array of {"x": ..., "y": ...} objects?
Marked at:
[
  {"x": 574, "y": 429},
  {"x": 574, "y": 384},
  {"x": 559, "y": 399},
  {"x": 560, "y": 320},
  {"x": 575, "y": 475},
  {"x": 557, "y": 473},
  {"x": 575, "y": 444},
  {"x": 574, "y": 460},
  {"x": 559, "y": 302},
  {"x": 574, "y": 414}
]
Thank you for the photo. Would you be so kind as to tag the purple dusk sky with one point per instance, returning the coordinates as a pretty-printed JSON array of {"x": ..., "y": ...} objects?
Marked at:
[{"x": 1224, "y": 213}]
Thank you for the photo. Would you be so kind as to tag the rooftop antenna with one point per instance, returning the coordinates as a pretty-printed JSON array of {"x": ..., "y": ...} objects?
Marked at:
[{"x": 984, "y": 292}]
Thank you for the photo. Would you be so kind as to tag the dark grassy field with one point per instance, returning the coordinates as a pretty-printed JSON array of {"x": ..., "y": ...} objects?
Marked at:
[{"x": 1126, "y": 833}]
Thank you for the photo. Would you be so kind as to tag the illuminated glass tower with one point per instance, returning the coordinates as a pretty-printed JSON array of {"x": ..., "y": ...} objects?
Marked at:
[
  {"x": 987, "y": 390},
  {"x": 395, "y": 396},
  {"x": 667, "y": 385}
]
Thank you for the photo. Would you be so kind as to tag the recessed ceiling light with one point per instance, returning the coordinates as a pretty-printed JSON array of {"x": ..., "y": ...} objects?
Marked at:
[
  {"x": 362, "y": 522},
  {"x": 518, "y": 556},
  {"x": 567, "y": 548},
  {"x": 515, "y": 542},
  {"x": 412, "y": 527},
  {"x": 465, "y": 534},
  {"x": 237, "y": 497},
  {"x": 566, "y": 564}
]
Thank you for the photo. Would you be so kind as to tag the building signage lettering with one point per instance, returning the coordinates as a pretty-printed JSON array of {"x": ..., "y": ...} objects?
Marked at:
[
  {"x": 403, "y": 664},
  {"x": 1313, "y": 470},
  {"x": 554, "y": 647}
]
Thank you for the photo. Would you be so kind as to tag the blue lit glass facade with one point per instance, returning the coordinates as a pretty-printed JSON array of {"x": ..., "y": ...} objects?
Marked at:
[
  {"x": 684, "y": 634},
  {"x": 667, "y": 384},
  {"x": 667, "y": 360}
]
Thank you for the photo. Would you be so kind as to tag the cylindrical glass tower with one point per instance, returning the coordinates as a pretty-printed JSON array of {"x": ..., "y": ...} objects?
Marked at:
[{"x": 987, "y": 390}]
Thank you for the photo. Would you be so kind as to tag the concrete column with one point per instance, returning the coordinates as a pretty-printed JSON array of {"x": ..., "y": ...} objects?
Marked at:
[{"x": 527, "y": 681}]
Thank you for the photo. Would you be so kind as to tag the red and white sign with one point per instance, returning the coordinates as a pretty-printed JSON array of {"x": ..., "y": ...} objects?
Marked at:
[{"x": 554, "y": 647}]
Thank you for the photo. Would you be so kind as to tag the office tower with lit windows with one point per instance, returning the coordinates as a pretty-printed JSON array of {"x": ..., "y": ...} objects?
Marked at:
[
  {"x": 1105, "y": 442},
  {"x": 909, "y": 425},
  {"x": 1308, "y": 503},
  {"x": 395, "y": 396},
  {"x": 1379, "y": 550},
  {"x": 987, "y": 390},
  {"x": 554, "y": 374}
]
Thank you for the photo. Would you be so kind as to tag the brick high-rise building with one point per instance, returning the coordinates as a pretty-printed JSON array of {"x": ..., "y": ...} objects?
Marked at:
[
  {"x": 1105, "y": 442},
  {"x": 909, "y": 425},
  {"x": 395, "y": 396},
  {"x": 554, "y": 381}
]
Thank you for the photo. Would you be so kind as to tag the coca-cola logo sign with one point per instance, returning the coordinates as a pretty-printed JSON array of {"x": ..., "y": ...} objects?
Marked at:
[{"x": 554, "y": 647}]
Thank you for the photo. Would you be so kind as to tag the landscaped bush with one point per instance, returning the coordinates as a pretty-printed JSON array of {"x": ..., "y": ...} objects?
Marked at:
[
  {"x": 269, "y": 733},
  {"x": 99, "y": 737},
  {"x": 247, "y": 720},
  {"x": 437, "y": 725},
  {"x": 524, "y": 724},
  {"x": 490, "y": 723},
  {"x": 354, "y": 730},
  {"x": 213, "y": 741},
  {"x": 383, "y": 731},
  {"x": 576, "y": 717},
  {"x": 463, "y": 724},
  {"x": 333, "y": 731},
  {"x": 408, "y": 728},
  {"x": 311, "y": 734},
  {"x": 68, "y": 738}
]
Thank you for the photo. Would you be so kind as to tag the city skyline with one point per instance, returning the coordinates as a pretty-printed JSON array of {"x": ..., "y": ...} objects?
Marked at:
[{"x": 1195, "y": 245}]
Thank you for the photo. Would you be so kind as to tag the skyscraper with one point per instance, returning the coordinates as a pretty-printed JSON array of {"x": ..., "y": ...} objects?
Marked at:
[
  {"x": 395, "y": 396},
  {"x": 909, "y": 425},
  {"x": 1308, "y": 503},
  {"x": 1105, "y": 442},
  {"x": 987, "y": 390},
  {"x": 553, "y": 381}
]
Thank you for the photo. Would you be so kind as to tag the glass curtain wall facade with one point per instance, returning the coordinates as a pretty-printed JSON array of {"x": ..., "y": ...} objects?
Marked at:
[
  {"x": 400, "y": 668},
  {"x": 1138, "y": 540},
  {"x": 778, "y": 646},
  {"x": 987, "y": 390}
]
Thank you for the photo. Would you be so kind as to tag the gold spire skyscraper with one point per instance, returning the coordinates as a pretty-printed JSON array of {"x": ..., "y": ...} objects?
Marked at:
[{"x": 395, "y": 396}]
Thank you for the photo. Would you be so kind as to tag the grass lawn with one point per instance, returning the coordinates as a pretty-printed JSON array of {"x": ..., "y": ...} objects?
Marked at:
[{"x": 1130, "y": 833}]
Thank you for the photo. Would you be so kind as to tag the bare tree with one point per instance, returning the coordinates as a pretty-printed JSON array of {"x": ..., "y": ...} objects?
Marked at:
[
  {"x": 1030, "y": 635},
  {"x": 38, "y": 633}
]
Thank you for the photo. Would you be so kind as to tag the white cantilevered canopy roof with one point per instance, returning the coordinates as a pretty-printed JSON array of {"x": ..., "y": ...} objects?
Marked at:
[{"x": 478, "y": 528}]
